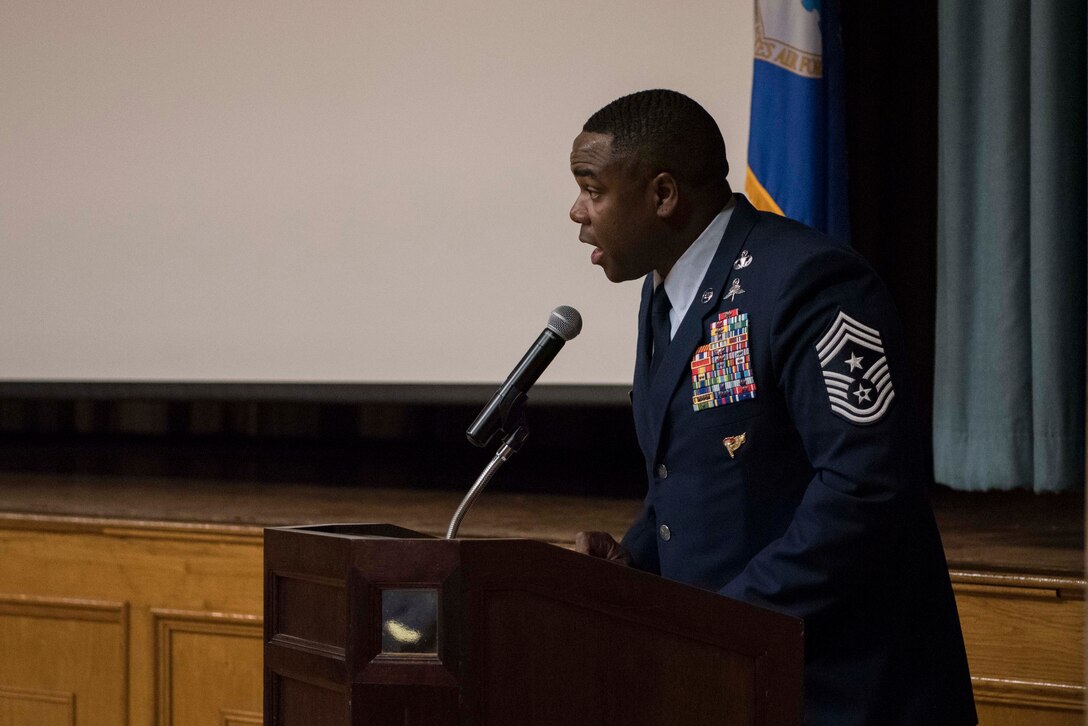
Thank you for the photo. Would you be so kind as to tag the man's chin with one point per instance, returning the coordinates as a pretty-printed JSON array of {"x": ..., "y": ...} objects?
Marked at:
[{"x": 615, "y": 275}]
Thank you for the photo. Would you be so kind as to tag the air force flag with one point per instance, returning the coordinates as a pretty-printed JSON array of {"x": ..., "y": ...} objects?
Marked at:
[{"x": 796, "y": 141}]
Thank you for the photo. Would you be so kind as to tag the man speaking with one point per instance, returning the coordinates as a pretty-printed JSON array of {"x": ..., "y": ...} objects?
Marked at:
[{"x": 773, "y": 407}]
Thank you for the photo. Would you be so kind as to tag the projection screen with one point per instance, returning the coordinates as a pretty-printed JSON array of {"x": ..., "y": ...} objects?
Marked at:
[{"x": 330, "y": 191}]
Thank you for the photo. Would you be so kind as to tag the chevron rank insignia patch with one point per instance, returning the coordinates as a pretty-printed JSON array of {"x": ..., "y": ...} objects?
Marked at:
[{"x": 856, "y": 375}]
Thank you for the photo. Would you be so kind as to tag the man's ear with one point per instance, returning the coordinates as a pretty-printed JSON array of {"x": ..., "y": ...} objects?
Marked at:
[{"x": 666, "y": 194}]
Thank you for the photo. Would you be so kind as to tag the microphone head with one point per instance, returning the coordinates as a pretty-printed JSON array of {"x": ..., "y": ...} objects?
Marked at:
[{"x": 565, "y": 322}]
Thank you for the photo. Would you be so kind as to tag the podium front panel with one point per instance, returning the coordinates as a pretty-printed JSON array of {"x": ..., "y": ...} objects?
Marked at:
[{"x": 372, "y": 625}]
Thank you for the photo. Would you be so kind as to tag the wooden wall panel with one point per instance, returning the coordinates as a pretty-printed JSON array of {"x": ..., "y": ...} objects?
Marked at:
[
  {"x": 151, "y": 624},
  {"x": 1031, "y": 626},
  {"x": 57, "y": 653},
  {"x": 1025, "y": 646},
  {"x": 1004, "y": 702},
  {"x": 230, "y": 717},
  {"x": 169, "y": 576},
  {"x": 205, "y": 666},
  {"x": 22, "y": 706}
]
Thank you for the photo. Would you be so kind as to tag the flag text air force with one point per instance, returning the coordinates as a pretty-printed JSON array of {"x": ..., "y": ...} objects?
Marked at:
[{"x": 796, "y": 145}]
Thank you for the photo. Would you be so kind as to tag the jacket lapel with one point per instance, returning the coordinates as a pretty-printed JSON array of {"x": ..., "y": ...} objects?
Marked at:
[{"x": 676, "y": 366}]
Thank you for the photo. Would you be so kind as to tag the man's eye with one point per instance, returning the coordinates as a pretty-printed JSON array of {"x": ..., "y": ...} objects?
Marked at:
[{"x": 593, "y": 193}]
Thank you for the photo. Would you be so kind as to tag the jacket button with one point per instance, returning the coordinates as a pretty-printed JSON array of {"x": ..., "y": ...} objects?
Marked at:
[
  {"x": 665, "y": 532},
  {"x": 662, "y": 471}
]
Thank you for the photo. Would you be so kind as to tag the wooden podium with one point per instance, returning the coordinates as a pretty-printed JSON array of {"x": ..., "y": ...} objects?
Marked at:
[{"x": 374, "y": 625}]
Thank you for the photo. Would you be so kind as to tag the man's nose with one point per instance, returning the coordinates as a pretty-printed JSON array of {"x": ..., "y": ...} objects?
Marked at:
[{"x": 578, "y": 212}]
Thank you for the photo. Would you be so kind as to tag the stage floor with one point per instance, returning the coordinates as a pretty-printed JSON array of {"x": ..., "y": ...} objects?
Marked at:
[{"x": 1010, "y": 532}]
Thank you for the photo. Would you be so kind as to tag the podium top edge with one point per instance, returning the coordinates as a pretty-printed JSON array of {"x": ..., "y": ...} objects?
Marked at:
[
  {"x": 355, "y": 530},
  {"x": 375, "y": 530}
]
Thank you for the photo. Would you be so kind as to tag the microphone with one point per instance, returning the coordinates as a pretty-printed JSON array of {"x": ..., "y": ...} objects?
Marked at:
[{"x": 563, "y": 324}]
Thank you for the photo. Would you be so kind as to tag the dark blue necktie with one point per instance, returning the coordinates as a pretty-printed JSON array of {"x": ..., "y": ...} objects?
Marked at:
[{"x": 662, "y": 326}]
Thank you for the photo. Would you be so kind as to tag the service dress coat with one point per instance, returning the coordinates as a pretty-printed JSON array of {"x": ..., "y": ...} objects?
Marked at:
[{"x": 786, "y": 469}]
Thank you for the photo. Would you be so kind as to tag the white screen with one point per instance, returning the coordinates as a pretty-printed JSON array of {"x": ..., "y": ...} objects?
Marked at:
[{"x": 277, "y": 190}]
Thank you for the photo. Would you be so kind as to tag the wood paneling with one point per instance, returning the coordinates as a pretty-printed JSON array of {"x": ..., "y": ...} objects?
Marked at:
[
  {"x": 1031, "y": 627},
  {"x": 104, "y": 609},
  {"x": 1025, "y": 645},
  {"x": 21, "y": 706},
  {"x": 147, "y": 623},
  {"x": 205, "y": 666},
  {"x": 57, "y": 652},
  {"x": 231, "y": 717}
]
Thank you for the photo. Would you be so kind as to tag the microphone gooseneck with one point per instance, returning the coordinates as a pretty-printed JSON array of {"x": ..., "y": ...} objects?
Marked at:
[{"x": 505, "y": 411}]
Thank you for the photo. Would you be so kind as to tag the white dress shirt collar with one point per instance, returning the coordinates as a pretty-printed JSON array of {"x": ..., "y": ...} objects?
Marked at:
[{"x": 685, "y": 277}]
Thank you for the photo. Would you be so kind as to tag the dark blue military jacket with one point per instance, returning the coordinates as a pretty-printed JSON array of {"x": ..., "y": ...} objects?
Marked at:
[{"x": 786, "y": 469}]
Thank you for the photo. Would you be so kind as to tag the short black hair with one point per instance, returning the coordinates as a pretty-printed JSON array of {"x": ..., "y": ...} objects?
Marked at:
[{"x": 667, "y": 131}]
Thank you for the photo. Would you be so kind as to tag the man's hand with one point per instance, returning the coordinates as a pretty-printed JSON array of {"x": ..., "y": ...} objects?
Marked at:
[{"x": 601, "y": 544}]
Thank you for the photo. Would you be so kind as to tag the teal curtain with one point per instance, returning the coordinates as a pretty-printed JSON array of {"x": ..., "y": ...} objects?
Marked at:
[{"x": 1009, "y": 388}]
